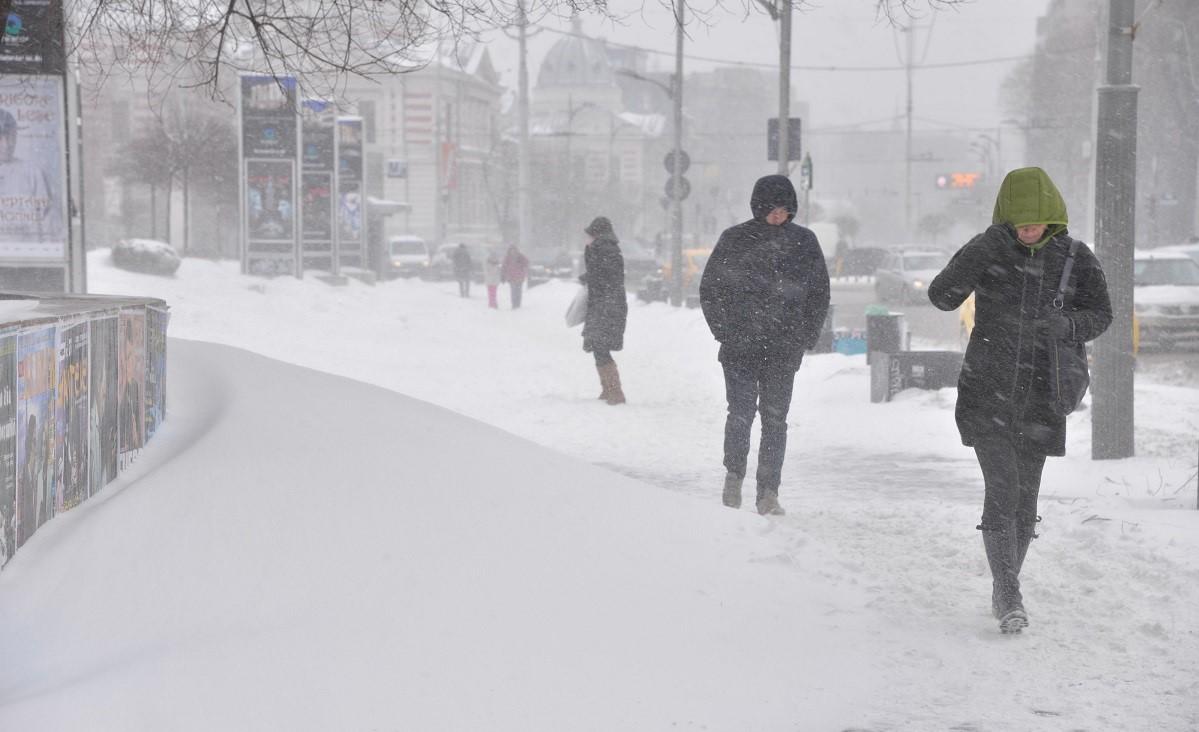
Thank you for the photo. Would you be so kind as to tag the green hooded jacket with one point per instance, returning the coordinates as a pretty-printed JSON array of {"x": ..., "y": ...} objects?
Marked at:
[{"x": 1028, "y": 196}]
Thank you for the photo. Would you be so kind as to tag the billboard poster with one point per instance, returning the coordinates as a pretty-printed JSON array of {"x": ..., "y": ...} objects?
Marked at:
[
  {"x": 33, "y": 38},
  {"x": 8, "y": 447},
  {"x": 156, "y": 369},
  {"x": 131, "y": 380},
  {"x": 270, "y": 131},
  {"x": 70, "y": 414},
  {"x": 317, "y": 119},
  {"x": 35, "y": 430},
  {"x": 102, "y": 430},
  {"x": 32, "y": 169},
  {"x": 268, "y": 117},
  {"x": 269, "y": 206},
  {"x": 350, "y": 199}
]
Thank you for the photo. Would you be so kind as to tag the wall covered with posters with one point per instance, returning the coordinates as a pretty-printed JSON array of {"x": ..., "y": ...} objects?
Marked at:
[{"x": 82, "y": 388}]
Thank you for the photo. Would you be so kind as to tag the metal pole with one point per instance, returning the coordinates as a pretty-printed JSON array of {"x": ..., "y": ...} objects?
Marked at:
[
  {"x": 1115, "y": 207},
  {"x": 785, "y": 87},
  {"x": 907, "y": 153},
  {"x": 676, "y": 202},
  {"x": 524, "y": 234}
]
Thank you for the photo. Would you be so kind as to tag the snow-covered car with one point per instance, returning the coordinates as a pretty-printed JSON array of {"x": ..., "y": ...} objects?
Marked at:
[
  {"x": 149, "y": 256},
  {"x": 904, "y": 275},
  {"x": 408, "y": 256},
  {"x": 1165, "y": 298},
  {"x": 1191, "y": 250}
]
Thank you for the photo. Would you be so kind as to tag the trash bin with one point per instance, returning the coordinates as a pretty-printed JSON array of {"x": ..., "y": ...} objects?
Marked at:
[
  {"x": 884, "y": 334},
  {"x": 891, "y": 373}
]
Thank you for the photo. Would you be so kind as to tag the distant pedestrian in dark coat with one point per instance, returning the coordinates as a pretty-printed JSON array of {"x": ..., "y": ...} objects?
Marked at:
[
  {"x": 607, "y": 305},
  {"x": 1003, "y": 410},
  {"x": 462, "y": 267},
  {"x": 515, "y": 271},
  {"x": 765, "y": 294}
]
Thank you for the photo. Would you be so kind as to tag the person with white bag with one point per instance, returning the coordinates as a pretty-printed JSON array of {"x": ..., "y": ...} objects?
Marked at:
[{"x": 607, "y": 305}]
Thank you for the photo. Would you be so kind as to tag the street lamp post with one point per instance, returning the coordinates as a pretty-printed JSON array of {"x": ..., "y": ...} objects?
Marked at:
[{"x": 676, "y": 199}]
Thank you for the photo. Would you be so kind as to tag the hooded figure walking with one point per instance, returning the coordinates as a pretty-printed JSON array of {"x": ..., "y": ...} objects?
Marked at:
[
  {"x": 607, "y": 305},
  {"x": 1004, "y": 410},
  {"x": 765, "y": 294}
]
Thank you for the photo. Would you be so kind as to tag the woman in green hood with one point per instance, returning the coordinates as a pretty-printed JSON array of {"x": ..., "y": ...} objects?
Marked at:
[{"x": 1004, "y": 393}]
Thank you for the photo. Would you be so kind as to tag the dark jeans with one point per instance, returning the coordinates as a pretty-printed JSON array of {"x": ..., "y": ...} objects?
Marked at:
[
  {"x": 1012, "y": 475},
  {"x": 464, "y": 287},
  {"x": 758, "y": 385},
  {"x": 516, "y": 293},
  {"x": 602, "y": 358}
]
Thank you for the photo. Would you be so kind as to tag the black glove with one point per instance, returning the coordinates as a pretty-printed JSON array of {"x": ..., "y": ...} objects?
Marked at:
[{"x": 1057, "y": 326}]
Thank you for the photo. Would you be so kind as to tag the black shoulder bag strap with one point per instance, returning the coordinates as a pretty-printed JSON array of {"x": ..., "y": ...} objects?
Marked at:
[{"x": 1059, "y": 300}]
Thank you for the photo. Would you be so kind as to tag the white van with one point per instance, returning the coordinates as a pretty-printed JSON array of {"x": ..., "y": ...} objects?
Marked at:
[{"x": 408, "y": 255}]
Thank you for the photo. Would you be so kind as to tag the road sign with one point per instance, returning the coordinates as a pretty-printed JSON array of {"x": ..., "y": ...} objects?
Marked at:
[
  {"x": 679, "y": 191},
  {"x": 684, "y": 162},
  {"x": 793, "y": 139}
]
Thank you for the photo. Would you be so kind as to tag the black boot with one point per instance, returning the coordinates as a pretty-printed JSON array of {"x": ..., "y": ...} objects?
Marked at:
[
  {"x": 732, "y": 490},
  {"x": 1000, "y": 544},
  {"x": 1024, "y": 536}
]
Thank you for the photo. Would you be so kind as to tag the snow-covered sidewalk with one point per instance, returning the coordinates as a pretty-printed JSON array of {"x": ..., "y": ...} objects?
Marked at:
[{"x": 882, "y": 503}]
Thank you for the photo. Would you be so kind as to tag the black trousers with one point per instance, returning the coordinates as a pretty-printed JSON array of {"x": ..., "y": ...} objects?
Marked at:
[
  {"x": 764, "y": 386},
  {"x": 464, "y": 287},
  {"x": 517, "y": 291},
  {"x": 603, "y": 358},
  {"x": 1012, "y": 475}
]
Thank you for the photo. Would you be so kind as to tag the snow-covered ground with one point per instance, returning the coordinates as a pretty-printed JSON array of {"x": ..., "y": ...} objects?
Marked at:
[{"x": 299, "y": 551}]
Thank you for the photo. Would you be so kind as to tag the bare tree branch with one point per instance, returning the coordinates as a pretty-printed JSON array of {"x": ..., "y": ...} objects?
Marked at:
[{"x": 196, "y": 42}]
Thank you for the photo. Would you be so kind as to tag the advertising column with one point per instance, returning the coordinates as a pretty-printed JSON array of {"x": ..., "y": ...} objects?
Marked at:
[
  {"x": 351, "y": 203},
  {"x": 316, "y": 184},
  {"x": 268, "y": 153},
  {"x": 33, "y": 178}
]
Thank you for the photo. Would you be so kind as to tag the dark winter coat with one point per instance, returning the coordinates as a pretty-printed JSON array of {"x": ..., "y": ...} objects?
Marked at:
[
  {"x": 1004, "y": 387},
  {"x": 765, "y": 289},
  {"x": 607, "y": 302},
  {"x": 462, "y": 263}
]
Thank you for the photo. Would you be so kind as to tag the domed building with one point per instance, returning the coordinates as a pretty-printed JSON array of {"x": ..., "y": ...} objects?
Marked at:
[{"x": 591, "y": 155}]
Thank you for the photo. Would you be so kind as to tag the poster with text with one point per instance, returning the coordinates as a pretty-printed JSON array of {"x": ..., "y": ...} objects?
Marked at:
[
  {"x": 131, "y": 375},
  {"x": 70, "y": 415},
  {"x": 35, "y": 430},
  {"x": 32, "y": 169},
  {"x": 33, "y": 38},
  {"x": 8, "y": 447},
  {"x": 156, "y": 369},
  {"x": 102, "y": 430},
  {"x": 268, "y": 117}
]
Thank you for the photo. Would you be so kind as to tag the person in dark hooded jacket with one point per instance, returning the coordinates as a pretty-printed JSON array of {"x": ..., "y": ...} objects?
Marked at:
[
  {"x": 765, "y": 294},
  {"x": 607, "y": 305},
  {"x": 1004, "y": 391}
]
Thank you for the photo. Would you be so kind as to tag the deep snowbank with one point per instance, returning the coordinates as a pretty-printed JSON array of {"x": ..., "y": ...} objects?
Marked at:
[{"x": 299, "y": 551}]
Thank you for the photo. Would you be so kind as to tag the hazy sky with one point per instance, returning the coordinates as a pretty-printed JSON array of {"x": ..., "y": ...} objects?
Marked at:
[{"x": 841, "y": 33}]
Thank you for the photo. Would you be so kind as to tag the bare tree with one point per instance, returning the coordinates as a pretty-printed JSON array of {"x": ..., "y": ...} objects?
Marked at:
[
  {"x": 197, "y": 41},
  {"x": 186, "y": 145}
]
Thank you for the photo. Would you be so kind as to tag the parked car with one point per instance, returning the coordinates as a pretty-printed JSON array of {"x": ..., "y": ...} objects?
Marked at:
[
  {"x": 1166, "y": 298},
  {"x": 1191, "y": 250},
  {"x": 408, "y": 256},
  {"x": 904, "y": 275},
  {"x": 857, "y": 262},
  {"x": 145, "y": 255}
]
